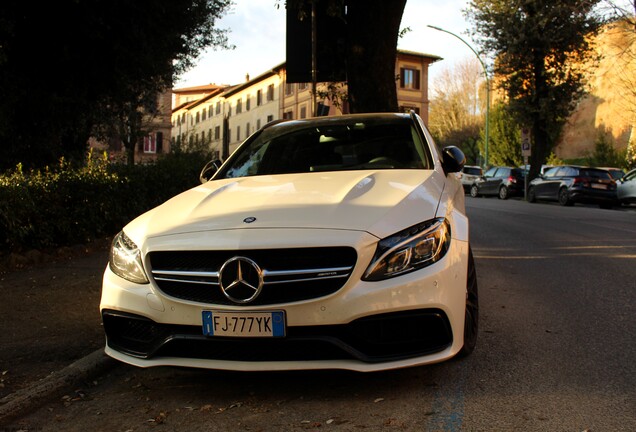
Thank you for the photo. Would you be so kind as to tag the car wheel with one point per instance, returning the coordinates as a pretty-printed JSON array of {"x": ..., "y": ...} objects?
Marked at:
[
  {"x": 531, "y": 195},
  {"x": 564, "y": 197},
  {"x": 503, "y": 193},
  {"x": 471, "y": 320},
  {"x": 474, "y": 192}
]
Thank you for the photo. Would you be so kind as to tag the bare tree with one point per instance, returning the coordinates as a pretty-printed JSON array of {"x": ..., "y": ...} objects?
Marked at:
[
  {"x": 458, "y": 106},
  {"x": 623, "y": 61}
]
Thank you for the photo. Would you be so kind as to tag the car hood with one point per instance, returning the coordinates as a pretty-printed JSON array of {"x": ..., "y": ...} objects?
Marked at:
[{"x": 380, "y": 202}]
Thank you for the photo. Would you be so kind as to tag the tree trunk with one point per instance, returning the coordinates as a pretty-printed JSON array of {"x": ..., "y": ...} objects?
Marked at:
[{"x": 372, "y": 30}]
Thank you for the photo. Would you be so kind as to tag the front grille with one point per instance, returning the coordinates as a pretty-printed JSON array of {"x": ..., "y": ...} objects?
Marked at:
[
  {"x": 289, "y": 275},
  {"x": 373, "y": 339}
]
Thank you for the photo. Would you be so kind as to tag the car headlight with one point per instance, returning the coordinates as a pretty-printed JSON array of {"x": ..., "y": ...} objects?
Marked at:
[
  {"x": 125, "y": 260},
  {"x": 409, "y": 250}
]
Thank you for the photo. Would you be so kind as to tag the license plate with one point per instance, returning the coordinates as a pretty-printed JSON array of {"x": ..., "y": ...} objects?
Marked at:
[
  {"x": 244, "y": 324},
  {"x": 599, "y": 186}
]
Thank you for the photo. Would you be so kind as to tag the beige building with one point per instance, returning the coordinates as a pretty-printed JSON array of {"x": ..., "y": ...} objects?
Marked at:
[
  {"x": 610, "y": 105},
  {"x": 222, "y": 117},
  {"x": 156, "y": 141}
]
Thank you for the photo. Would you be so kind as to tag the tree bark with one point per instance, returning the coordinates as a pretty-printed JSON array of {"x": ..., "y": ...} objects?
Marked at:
[{"x": 372, "y": 31}]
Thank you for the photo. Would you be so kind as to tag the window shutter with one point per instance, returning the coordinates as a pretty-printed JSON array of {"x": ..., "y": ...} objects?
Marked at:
[
  {"x": 401, "y": 77},
  {"x": 159, "y": 142}
]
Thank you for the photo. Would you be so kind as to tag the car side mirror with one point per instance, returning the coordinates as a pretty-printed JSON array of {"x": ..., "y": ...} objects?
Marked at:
[
  {"x": 453, "y": 159},
  {"x": 209, "y": 170}
]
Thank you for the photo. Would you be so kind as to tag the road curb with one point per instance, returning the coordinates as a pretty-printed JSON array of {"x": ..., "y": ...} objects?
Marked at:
[{"x": 18, "y": 403}]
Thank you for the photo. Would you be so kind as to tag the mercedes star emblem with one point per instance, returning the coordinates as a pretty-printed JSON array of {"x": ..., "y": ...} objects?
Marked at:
[{"x": 241, "y": 279}]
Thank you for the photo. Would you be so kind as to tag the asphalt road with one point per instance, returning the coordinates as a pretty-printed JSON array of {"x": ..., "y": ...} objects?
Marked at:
[{"x": 556, "y": 351}]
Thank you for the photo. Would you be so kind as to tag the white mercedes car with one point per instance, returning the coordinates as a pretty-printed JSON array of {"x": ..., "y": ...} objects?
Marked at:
[{"x": 324, "y": 243}]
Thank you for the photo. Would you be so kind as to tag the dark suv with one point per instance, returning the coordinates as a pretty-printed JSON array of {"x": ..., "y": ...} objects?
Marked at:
[
  {"x": 501, "y": 181},
  {"x": 571, "y": 184}
]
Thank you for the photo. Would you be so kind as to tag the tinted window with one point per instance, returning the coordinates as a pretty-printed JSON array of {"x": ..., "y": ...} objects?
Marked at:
[
  {"x": 567, "y": 172},
  {"x": 551, "y": 172},
  {"x": 473, "y": 171},
  {"x": 491, "y": 172},
  {"x": 595, "y": 173},
  {"x": 616, "y": 174},
  {"x": 503, "y": 172}
]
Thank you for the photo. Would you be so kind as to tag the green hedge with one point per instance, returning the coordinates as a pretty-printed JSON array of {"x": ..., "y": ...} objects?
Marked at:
[{"x": 63, "y": 206}]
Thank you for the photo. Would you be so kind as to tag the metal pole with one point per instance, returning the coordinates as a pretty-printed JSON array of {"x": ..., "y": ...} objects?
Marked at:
[
  {"x": 487, "y": 87},
  {"x": 314, "y": 61}
]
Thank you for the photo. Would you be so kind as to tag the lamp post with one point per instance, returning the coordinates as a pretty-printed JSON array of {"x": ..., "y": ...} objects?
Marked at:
[{"x": 487, "y": 86}]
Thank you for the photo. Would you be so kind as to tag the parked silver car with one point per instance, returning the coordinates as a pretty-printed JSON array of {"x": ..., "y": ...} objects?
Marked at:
[
  {"x": 468, "y": 175},
  {"x": 626, "y": 188}
]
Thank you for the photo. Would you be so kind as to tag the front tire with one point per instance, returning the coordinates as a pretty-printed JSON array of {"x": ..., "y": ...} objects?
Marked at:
[
  {"x": 471, "y": 316},
  {"x": 532, "y": 197},
  {"x": 474, "y": 192}
]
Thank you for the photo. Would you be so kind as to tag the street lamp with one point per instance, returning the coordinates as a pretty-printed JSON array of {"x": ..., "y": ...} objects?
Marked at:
[{"x": 487, "y": 86}]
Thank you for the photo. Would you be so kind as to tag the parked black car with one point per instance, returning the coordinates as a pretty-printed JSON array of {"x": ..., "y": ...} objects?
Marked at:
[
  {"x": 573, "y": 184},
  {"x": 501, "y": 181}
]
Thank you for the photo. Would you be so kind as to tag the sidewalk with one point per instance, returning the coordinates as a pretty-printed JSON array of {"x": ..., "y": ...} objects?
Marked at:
[{"x": 49, "y": 320}]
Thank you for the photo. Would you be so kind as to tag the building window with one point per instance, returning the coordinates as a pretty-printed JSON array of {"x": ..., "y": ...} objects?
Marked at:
[
  {"x": 288, "y": 115},
  {"x": 303, "y": 112},
  {"x": 258, "y": 124},
  {"x": 270, "y": 92},
  {"x": 259, "y": 98},
  {"x": 247, "y": 102},
  {"x": 238, "y": 133},
  {"x": 302, "y": 86},
  {"x": 270, "y": 118},
  {"x": 150, "y": 144},
  {"x": 210, "y": 135},
  {"x": 218, "y": 108},
  {"x": 409, "y": 78},
  {"x": 239, "y": 106},
  {"x": 183, "y": 118},
  {"x": 289, "y": 89},
  {"x": 217, "y": 133},
  {"x": 204, "y": 114},
  {"x": 247, "y": 130},
  {"x": 198, "y": 117}
]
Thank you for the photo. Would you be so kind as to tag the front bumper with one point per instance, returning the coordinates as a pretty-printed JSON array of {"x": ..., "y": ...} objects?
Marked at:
[{"x": 416, "y": 318}]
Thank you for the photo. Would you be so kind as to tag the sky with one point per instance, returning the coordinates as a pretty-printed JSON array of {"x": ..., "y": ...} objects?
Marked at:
[{"x": 257, "y": 29}]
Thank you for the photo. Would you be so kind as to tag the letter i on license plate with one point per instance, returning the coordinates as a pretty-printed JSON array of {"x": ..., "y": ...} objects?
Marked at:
[{"x": 244, "y": 324}]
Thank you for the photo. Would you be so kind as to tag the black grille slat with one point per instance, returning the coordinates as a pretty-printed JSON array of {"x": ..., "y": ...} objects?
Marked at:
[{"x": 310, "y": 283}]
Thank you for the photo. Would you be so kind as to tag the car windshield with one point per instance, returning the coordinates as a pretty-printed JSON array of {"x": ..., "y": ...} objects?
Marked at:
[{"x": 336, "y": 145}]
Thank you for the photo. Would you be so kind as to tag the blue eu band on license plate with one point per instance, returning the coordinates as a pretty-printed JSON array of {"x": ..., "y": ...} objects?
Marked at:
[{"x": 244, "y": 324}]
